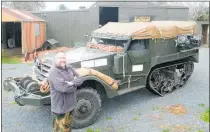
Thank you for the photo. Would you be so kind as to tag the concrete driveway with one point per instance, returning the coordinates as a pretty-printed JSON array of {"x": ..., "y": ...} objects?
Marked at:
[{"x": 140, "y": 111}]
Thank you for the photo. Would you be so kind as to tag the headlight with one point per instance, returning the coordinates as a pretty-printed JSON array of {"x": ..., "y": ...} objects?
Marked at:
[
  {"x": 47, "y": 74},
  {"x": 182, "y": 39},
  {"x": 37, "y": 62}
]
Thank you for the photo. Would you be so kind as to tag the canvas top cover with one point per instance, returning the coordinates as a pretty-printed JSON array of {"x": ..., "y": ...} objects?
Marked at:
[{"x": 147, "y": 30}]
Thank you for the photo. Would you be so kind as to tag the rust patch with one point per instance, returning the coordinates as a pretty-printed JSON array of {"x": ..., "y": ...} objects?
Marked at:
[
  {"x": 157, "y": 117},
  {"x": 179, "y": 128},
  {"x": 177, "y": 109}
]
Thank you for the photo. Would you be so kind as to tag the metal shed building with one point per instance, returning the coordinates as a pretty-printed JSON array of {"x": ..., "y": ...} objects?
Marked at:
[
  {"x": 69, "y": 27},
  {"x": 28, "y": 32},
  {"x": 203, "y": 29}
]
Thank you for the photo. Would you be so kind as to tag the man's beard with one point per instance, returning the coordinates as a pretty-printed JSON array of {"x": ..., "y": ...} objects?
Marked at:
[{"x": 63, "y": 65}]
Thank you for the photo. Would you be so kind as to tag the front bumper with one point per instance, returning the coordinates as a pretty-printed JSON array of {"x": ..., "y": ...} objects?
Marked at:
[
  {"x": 23, "y": 98},
  {"x": 38, "y": 74},
  {"x": 34, "y": 100}
]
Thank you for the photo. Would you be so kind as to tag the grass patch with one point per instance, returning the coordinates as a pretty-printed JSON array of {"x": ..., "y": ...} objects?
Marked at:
[
  {"x": 200, "y": 130},
  {"x": 121, "y": 129},
  {"x": 30, "y": 64},
  {"x": 108, "y": 118},
  {"x": 91, "y": 130},
  {"x": 189, "y": 130},
  {"x": 156, "y": 108},
  {"x": 201, "y": 105},
  {"x": 166, "y": 130},
  {"x": 135, "y": 119},
  {"x": 108, "y": 129},
  {"x": 13, "y": 102},
  {"x": 19, "y": 123},
  {"x": 10, "y": 60},
  {"x": 97, "y": 130},
  {"x": 205, "y": 115}
]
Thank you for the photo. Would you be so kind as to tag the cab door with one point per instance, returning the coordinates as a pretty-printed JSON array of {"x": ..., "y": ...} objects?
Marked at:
[{"x": 139, "y": 56}]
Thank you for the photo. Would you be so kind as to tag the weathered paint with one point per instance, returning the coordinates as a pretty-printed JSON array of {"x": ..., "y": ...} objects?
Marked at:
[{"x": 29, "y": 40}]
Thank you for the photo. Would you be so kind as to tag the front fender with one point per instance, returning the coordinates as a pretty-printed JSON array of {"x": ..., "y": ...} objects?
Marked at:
[{"x": 109, "y": 90}]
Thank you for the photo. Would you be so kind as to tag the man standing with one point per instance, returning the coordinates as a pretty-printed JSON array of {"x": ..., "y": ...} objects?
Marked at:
[{"x": 63, "y": 81}]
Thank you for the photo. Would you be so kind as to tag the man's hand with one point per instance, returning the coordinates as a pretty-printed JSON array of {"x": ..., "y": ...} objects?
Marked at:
[{"x": 69, "y": 83}]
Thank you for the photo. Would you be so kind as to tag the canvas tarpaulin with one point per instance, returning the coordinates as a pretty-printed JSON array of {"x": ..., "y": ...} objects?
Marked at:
[
  {"x": 125, "y": 29},
  {"x": 45, "y": 88},
  {"x": 91, "y": 72},
  {"x": 145, "y": 30},
  {"x": 103, "y": 47},
  {"x": 170, "y": 29}
]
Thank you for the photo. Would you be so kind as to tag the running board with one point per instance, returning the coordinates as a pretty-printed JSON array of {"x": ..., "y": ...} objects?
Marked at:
[{"x": 128, "y": 90}]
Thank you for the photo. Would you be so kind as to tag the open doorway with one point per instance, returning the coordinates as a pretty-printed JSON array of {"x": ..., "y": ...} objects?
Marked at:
[
  {"x": 12, "y": 37},
  {"x": 205, "y": 33},
  {"x": 13, "y": 31},
  {"x": 108, "y": 14}
]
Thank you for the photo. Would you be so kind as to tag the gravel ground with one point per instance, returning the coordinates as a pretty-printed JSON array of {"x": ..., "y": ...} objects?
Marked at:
[{"x": 139, "y": 111}]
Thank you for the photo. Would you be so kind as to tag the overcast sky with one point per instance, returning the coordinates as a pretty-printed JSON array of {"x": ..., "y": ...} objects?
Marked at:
[{"x": 71, "y": 5}]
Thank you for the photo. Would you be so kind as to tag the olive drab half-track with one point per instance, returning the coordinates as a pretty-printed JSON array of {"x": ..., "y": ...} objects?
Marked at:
[{"x": 118, "y": 58}]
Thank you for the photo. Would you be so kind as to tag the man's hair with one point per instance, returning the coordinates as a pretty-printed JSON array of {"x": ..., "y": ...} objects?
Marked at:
[{"x": 58, "y": 54}]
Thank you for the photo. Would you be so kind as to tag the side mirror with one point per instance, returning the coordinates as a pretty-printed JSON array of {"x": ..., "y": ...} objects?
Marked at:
[{"x": 120, "y": 63}]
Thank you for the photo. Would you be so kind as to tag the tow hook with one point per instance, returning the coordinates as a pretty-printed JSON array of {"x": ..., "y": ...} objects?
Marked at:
[{"x": 17, "y": 99}]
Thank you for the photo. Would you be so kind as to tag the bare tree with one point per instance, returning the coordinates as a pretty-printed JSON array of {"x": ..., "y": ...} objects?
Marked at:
[
  {"x": 62, "y": 7},
  {"x": 196, "y": 9},
  {"x": 26, "y": 5}
]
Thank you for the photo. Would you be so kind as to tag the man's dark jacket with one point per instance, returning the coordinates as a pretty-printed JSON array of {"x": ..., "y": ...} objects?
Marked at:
[{"x": 63, "y": 96}]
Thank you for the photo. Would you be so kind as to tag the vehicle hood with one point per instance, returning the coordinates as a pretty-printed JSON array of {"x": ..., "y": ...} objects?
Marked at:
[{"x": 78, "y": 55}]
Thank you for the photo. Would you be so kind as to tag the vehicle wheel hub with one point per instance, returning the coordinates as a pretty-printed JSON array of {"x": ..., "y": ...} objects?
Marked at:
[{"x": 83, "y": 108}]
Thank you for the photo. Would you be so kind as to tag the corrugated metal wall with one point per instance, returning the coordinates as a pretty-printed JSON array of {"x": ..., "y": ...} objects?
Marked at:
[
  {"x": 177, "y": 13},
  {"x": 69, "y": 27},
  {"x": 31, "y": 40},
  {"x": 126, "y": 13}
]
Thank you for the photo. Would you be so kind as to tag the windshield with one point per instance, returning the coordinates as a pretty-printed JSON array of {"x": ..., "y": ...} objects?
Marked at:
[{"x": 111, "y": 42}]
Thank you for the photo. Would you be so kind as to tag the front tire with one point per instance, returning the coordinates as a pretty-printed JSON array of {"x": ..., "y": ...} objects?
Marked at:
[{"x": 88, "y": 108}]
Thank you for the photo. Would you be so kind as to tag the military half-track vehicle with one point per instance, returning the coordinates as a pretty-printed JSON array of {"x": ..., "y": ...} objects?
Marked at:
[{"x": 119, "y": 58}]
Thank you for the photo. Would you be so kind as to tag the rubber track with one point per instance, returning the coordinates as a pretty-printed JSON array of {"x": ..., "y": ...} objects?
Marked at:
[{"x": 162, "y": 67}]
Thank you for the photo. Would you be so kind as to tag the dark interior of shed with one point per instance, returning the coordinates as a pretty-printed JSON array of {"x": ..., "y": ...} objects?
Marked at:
[
  {"x": 12, "y": 33},
  {"x": 204, "y": 32},
  {"x": 108, "y": 14}
]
